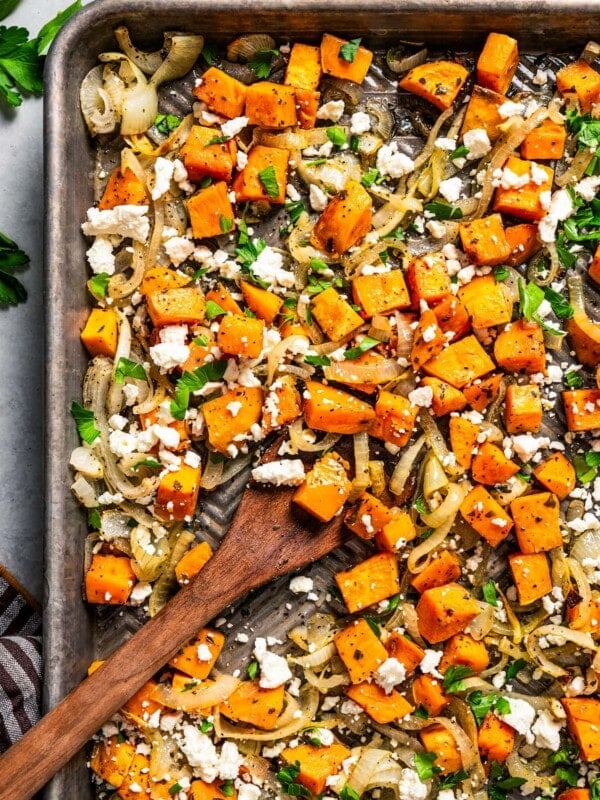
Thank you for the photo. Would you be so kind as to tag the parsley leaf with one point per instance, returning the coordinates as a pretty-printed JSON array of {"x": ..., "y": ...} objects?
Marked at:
[
  {"x": 252, "y": 670},
  {"x": 570, "y": 775},
  {"x": 443, "y": 210},
  {"x": 454, "y": 678},
  {"x": 94, "y": 519},
  {"x": 531, "y": 297},
  {"x": 573, "y": 379},
  {"x": 460, "y": 152},
  {"x": 453, "y": 778},
  {"x": 175, "y": 789},
  {"x": 481, "y": 703},
  {"x": 261, "y": 62},
  {"x": 336, "y": 135},
  {"x": 349, "y": 49},
  {"x": 12, "y": 291},
  {"x": 129, "y": 369},
  {"x": 84, "y": 419},
  {"x": 424, "y": 765},
  {"x": 501, "y": 273},
  {"x": 295, "y": 208},
  {"x": 209, "y": 53},
  {"x": 318, "y": 361},
  {"x": 227, "y": 788},
  {"x": 268, "y": 178},
  {"x": 165, "y": 123},
  {"x": 373, "y": 623},
  {"x": 366, "y": 343},
  {"x": 225, "y": 223},
  {"x": 585, "y": 472},
  {"x": 421, "y": 712},
  {"x": 201, "y": 341},
  {"x": 213, "y": 310},
  {"x": 99, "y": 284},
  {"x": 595, "y": 789},
  {"x": 318, "y": 265},
  {"x": 50, "y": 29},
  {"x": 489, "y": 593},
  {"x": 348, "y": 793},
  {"x": 561, "y": 307},
  {"x": 147, "y": 462},
  {"x": 369, "y": 177},
  {"x": 193, "y": 382},
  {"x": 287, "y": 778},
  {"x": 420, "y": 505},
  {"x": 586, "y": 129},
  {"x": 513, "y": 669},
  {"x": 206, "y": 725}
]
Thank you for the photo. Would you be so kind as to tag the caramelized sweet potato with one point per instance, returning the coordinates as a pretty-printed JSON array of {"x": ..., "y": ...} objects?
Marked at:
[
  {"x": 210, "y": 211},
  {"x": 445, "y": 610},
  {"x": 582, "y": 409},
  {"x": 222, "y": 94},
  {"x": 523, "y": 408},
  {"x": 490, "y": 466},
  {"x": 437, "y": 739},
  {"x": 463, "y": 440},
  {"x": 253, "y": 705},
  {"x": 325, "y": 488},
  {"x": 270, "y": 105},
  {"x": 536, "y": 522},
  {"x": 109, "y": 579},
  {"x": 527, "y": 201},
  {"x": 485, "y": 243},
  {"x": 487, "y": 301},
  {"x": 369, "y": 582},
  {"x": 446, "y": 398},
  {"x": 177, "y": 493},
  {"x": 460, "y": 363},
  {"x": 582, "y": 721},
  {"x": 463, "y": 650},
  {"x": 316, "y": 763},
  {"x": 335, "y": 316},
  {"x": 338, "y": 62},
  {"x": 240, "y": 336},
  {"x": 427, "y": 691},
  {"x": 482, "y": 112},
  {"x": 345, "y": 220},
  {"x": 101, "y": 332},
  {"x": 495, "y": 738},
  {"x": 545, "y": 142},
  {"x": 582, "y": 80},
  {"x": 428, "y": 279},
  {"x": 328, "y": 409},
  {"x": 486, "y": 515},
  {"x": 438, "y": 82},
  {"x": 226, "y": 428},
  {"x": 520, "y": 347},
  {"x": 303, "y": 69},
  {"x": 383, "y": 708},
  {"x": 497, "y": 62},
  {"x": 381, "y": 292},
  {"x": 192, "y": 562},
  {"x": 394, "y": 419},
  {"x": 203, "y": 156},
  {"x": 123, "y": 189},
  {"x": 556, "y": 474},
  {"x": 197, "y": 658},
  {"x": 248, "y": 185},
  {"x": 531, "y": 576},
  {"x": 443, "y": 568}
]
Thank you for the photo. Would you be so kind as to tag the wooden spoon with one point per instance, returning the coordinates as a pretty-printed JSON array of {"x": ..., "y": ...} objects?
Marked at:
[{"x": 265, "y": 541}]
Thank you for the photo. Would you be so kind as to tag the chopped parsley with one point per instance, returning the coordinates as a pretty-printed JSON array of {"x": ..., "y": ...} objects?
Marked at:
[
  {"x": 348, "y": 793},
  {"x": 573, "y": 379},
  {"x": 129, "y": 369},
  {"x": 584, "y": 471},
  {"x": 295, "y": 209},
  {"x": 86, "y": 425},
  {"x": 365, "y": 344},
  {"x": 209, "y": 54},
  {"x": 262, "y": 61},
  {"x": 165, "y": 123},
  {"x": 287, "y": 778},
  {"x": 370, "y": 177},
  {"x": 481, "y": 704},
  {"x": 420, "y": 505},
  {"x": 489, "y": 593},
  {"x": 336, "y": 135},
  {"x": 147, "y": 462},
  {"x": 349, "y": 49},
  {"x": 500, "y": 783},
  {"x": 460, "y": 152},
  {"x": 318, "y": 265},
  {"x": 201, "y": 341},
  {"x": 513, "y": 669},
  {"x": 193, "y": 382},
  {"x": 268, "y": 179},
  {"x": 99, "y": 284},
  {"x": 94, "y": 519},
  {"x": 453, "y": 778},
  {"x": 443, "y": 210},
  {"x": 252, "y": 670},
  {"x": 424, "y": 765},
  {"x": 12, "y": 291},
  {"x": 213, "y": 310},
  {"x": 206, "y": 725},
  {"x": 454, "y": 678},
  {"x": 501, "y": 273},
  {"x": 225, "y": 223},
  {"x": 318, "y": 361}
]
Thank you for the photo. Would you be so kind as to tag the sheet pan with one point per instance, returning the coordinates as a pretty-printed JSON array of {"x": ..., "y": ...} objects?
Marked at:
[{"x": 74, "y": 633}]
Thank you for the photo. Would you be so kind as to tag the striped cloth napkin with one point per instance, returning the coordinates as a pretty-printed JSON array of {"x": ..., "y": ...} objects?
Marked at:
[{"x": 20, "y": 661}]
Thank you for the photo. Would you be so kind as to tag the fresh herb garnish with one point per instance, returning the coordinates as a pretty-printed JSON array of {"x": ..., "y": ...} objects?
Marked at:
[
  {"x": 318, "y": 361},
  {"x": 420, "y": 505},
  {"x": 209, "y": 53},
  {"x": 369, "y": 177},
  {"x": 501, "y": 273},
  {"x": 317, "y": 285},
  {"x": 205, "y": 182},
  {"x": 147, "y": 462},
  {"x": 318, "y": 265},
  {"x": 354, "y": 143},
  {"x": 86, "y": 426},
  {"x": 225, "y": 223},
  {"x": 481, "y": 703},
  {"x": 570, "y": 775},
  {"x": 201, "y": 341},
  {"x": 373, "y": 623},
  {"x": 295, "y": 209},
  {"x": 573, "y": 379},
  {"x": 513, "y": 669},
  {"x": 489, "y": 593},
  {"x": 12, "y": 291},
  {"x": 500, "y": 783},
  {"x": 287, "y": 778},
  {"x": 443, "y": 210},
  {"x": 262, "y": 61},
  {"x": 365, "y": 344},
  {"x": 268, "y": 178},
  {"x": 129, "y": 369},
  {"x": 252, "y": 670},
  {"x": 460, "y": 152},
  {"x": 336, "y": 135},
  {"x": 424, "y": 765},
  {"x": 175, "y": 789},
  {"x": 206, "y": 726},
  {"x": 349, "y": 49},
  {"x": 531, "y": 296},
  {"x": 454, "y": 678},
  {"x": 165, "y": 123},
  {"x": 213, "y": 310},
  {"x": 585, "y": 472},
  {"x": 99, "y": 283},
  {"x": 194, "y": 382},
  {"x": 227, "y": 788},
  {"x": 348, "y": 793},
  {"x": 94, "y": 519},
  {"x": 453, "y": 778},
  {"x": 421, "y": 712}
]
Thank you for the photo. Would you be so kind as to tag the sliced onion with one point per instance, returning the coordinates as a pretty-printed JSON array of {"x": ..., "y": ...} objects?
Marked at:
[
  {"x": 294, "y": 718},
  {"x": 139, "y": 105},
  {"x": 212, "y": 475},
  {"x": 587, "y": 545},
  {"x": 518, "y": 769},
  {"x": 370, "y": 762},
  {"x": 350, "y": 372},
  {"x": 483, "y": 623},
  {"x": 405, "y": 466},
  {"x": 206, "y": 695},
  {"x": 436, "y": 441},
  {"x": 294, "y": 140},
  {"x": 584, "y": 590},
  {"x": 245, "y": 47},
  {"x": 84, "y": 492},
  {"x": 147, "y": 565},
  {"x": 420, "y": 556},
  {"x": 299, "y": 443},
  {"x": 377, "y": 477},
  {"x": 148, "y": 62},
  {"x": 583, "y": 640},
  {"x": 362, "y": 480},
  {"x": 96, "y": 104},
  {"x": 277, "y": 354},
  {"x": 84, "y": 460},
  {"x": 316, "y": 659},
  {"x": 179, "y": 544},
  {"x": 183, "y": 52},
  {"x": 401, "y": 59},
  {"x": 449, "y": 506},
  {"x": 435, "y": 481}
]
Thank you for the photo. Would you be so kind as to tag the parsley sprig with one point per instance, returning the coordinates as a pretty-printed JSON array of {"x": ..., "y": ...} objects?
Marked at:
[
  {"x": 12, "y": 291},
  {"x": 86, "y": 425},
  {"x": 193, "y": 382},
  {"x": 287, "y": 778}
]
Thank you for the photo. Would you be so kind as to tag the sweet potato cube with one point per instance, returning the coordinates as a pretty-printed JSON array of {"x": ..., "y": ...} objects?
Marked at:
[
  {"x": 487, "y": 301},
  {"x": 523, "y": 408},
  {"x": 203, "y": 156},
  {"x": 336, "y": 61},
  {"x": 427, "y": 691},
  {"x": 404, "y": 650},
  {"x": 485, "y": 244},
  {"x": 334, "y": 314},
  {"x": 531, "y": 576},
  {"x": 452, "y": 317},
  {"x": 581, "y": 79},
  {"x": 536, "y": 518},
  {"x": 523, "y": 241},
  {"x": 490, "y": 466},
  {"x": 556, "y": 474},
  {"x": 583, "y": 714},
  {"x": 307, "y": 106},
  {"x": 210, "y": 211},
  {"x": 159, "y": 279},
  {"x": 111, "y": 760},
  {"x": 304, "y": 67},
  {"x": 582, "y": 409},
  {"x": 462, "y": 650},
  {"x": 442, "y": 568},
  {"x": 574, "y": 794},
  {"x": 225, "y": 427},
  {"x": 198, "y": 657},
  {"x": 428, "y": 278},
  {"x": 282, "y": 404},
  {"x": 325, "y": 488},
  {"x": 594, "y": 267},
  {"x": 109, "y": 579},
  {"x": 240, "y": 336},
  {"x": 445, "y": 610},
  {"x": 520, "y": 347},
  {"x": 428, "y": 340},
  {"x": 149, "y": 418},
  {"x": 497, "y": 62},
  {"x": 463, "y": 440},
  {"x": 368, "y": 516},
  {"x": 261, "y": 302},
  {"x": 482, "y": 112},
  {"x": 383, "y": 708},
  {"x": 222, "y": 94},
  {"x": 396, "y": 533},
  {"x": 137, "y": 779},
  {"x": 436, "y": 739},
  {"x": 483, "y": 391},
  {"x": 123, "y": 189},
  {"x": 254, "y": 705},
  {"x": 446, "y": 398},
  {"x": 176, "y": 306},
  {"x": 527, "y": 201},
  {"x": 380, "y": 293},
  {"x": 208, "y": 791},
  {"x": 547, "y": 141},
  {"x": 438, "y": 82},
  {"x": 460, "y": 363},
  {"x": 101, "y": 332},
  {"x": 345, "y": 220},
  {"x": 177, "y": 493},
  {"x": 271, "y": 105},
  {"x": 394, "y": 418},
  {"x": 495, "y": 738},
  {"x": 360, "y": 649},
  {"x": 335, "y": 411},
  {"x": 264, "y": 177},
  {"x": 486, "y": 515},
  {"x": 316, "y": 763},
  {"x": 142, "y": 704},
  {"x": 192, "y": 562},
  {"x": 369, "y": 582}
]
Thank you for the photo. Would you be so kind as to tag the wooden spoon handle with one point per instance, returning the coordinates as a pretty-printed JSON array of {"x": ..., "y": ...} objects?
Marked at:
[{"x": 30, "y": 763}]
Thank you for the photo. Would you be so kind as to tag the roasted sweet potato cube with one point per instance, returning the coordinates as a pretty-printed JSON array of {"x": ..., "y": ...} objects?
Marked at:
[
  {"x": 109, "y": 579},
  {"x": 334, "y": 410},
  {"x": 270, "y": 105},
  {"x": 497, "y": 62},
  {"x": 523, "y": 241},
  {"x": 383, "y": 708},
  {"x": 208, "y": 791},
  {"x": 368, "y": 516},
  {"x": 149, "y": 418},
  {"x": 181, "y": 306},
  {"x": 526, "y": 201},
  {"x": 444, "y": 567},
  {"x": 483, "y": 391},
  {"x": 316, "y": 763},
  {"x": 261, "y": 302},
  {"x": 224, "y": 299},
  {"x": 427, "y": 691},
  {"x": 582, "y": 80},
  {"x": 556, "y": 474},
  {"x": 203, "y": 156},
  {"x": 495, "y": 738},
  {"x": 462, "y": 650},
  {"x": 222, "y": 94},
  {"x": 486, "y": 515},
  {"x": 594, "y": 267},
  {"x": 523, "y": 408},
  {"x": 137, "y": 780},
  {"x": 428, "y": 278},
  {"x": 360, "y": 649},
  {"x": 123, "y": 189},
  {"x": 345, "y": 220},
  {"x": 487, "y": 301},
  {"x": 582, "y": 409},
  {"x": 307, "y": 106},
  {"x": 531, "y": 576},
  {"x": 177, "y": 493},
  {"x": 547, "y": 141},
  {"x": 192, "y": 562},
  {"x": 428, "y": 340},
  {"x": 404, "y": 650},
  {"x": 381, "y": 292},
  {"x": 396, "y": 533},
  {"x": 463, "y": 440},
  {"x": 198, "y": 657},
  {"x": 394, "y": 418},
  {"x": 484, "y": 242},
  {"x": 304, "y": 67},
  {"x": 225, "y": 427},
  {"x": 482, "y": 112},
  {"x": 111, "y": 760},
  {"x": 369, "y": 582},
  {"x": 342, "y": 60},
  {"x": 520, "y": 347},
  {"x": 438, "y": 82},
  {"x": 445, "y": 610},
  {"x": 583, "y": 714},
  {"x": 254, "y": 705},
  {"x": 446, "y": 398},
  {"x": 452, "y": 317},
  {"x": 264, "y": 177},
  {"x": 460, "y": 363},
  {"x": 437, "y": 739},
  {"x": 334, "y": 314},
  {"x": 210, "y": 211},
  {"x": 574, "y": 794},
  {"x": 536, "y": 518},
  {"x": 240, "y": 336},
  {"x": 158, "y": 279},
  {"x": 101, "y": 332},
  {"x": 490, "y": 466},
  {"x": 282, "y": 404},
  {"x": 142, "y": 704},
  {"x": 325, "y": 488}
]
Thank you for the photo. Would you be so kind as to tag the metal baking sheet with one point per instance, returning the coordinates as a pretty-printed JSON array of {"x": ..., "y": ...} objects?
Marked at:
[{"x": 75, "y": 634}]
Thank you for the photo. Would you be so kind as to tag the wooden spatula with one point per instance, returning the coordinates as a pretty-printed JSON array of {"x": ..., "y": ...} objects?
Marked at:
[{"x": 265, "y": 541}]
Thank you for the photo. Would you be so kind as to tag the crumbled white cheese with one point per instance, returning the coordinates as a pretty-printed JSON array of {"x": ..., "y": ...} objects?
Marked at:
[
  {"x": 121, "y": 443},
  {"x": 100, "y": 256},
  {"x": 332, "y": 110},
  {"x": 526, "y": 446},
  {"x": 540, "y": 78},
  {"x": 230, "y": 761},
  {"x": 203, "y": 652},
  {"x": 163, "y": 173},
  {"x": 510, "y": 179},
  {"x": 140, "y": 592},
  {"x": 167, "y": 355},
  {"x": 301, "y": 584},
  {"x": 546, "y": 730},
  {"x": 317, "y": 198},
  {"x": 444, "y": 143},
  {"x": 560, "y": 209},
  {"x": 511, "y": 109},
  {"x": 287, "y": 472},
  {"x": 588, "y": 187},
  {"x": 450, "y": 189},
  {"x": 130, "y": 222},
  {"x": 360, "y": 123},
  {"x": 520, "y": 717},
  {"x": 391, "y": 162},
  {"x": 201, "y": 753},
  {"x": 421, "y": 396},
  {"x": 410, "y": 786},
  {"x": 234, "y": 126},
  {"x": 389, "y": 674},
  {"x": 274, "y": 670},
  {"x": 268, "y": 267},
  {"x": 178, "y": 248},
  {"x": 430, "y": 662},
  {"x": 247, "y": 791},
  {"x": 477, "y": 142}
]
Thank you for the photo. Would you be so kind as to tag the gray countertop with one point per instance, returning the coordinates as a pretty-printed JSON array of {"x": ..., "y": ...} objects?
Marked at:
[{"x": 22, "y": 328}]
